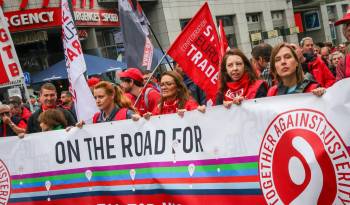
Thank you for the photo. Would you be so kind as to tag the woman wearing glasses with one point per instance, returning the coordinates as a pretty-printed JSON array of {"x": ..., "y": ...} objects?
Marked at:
[
  {"x": 10, "y": 125},
  {"x": 175, "y": 97}
]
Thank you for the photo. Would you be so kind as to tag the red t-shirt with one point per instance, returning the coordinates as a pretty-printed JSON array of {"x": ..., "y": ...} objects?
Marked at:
[
  {"x": 170, "y": 107},
  {"x": 153, "y": 97},
  {"x": 25, "y": 113}
]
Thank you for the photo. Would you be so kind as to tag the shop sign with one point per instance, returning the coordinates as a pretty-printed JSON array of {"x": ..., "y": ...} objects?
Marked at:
[
  {"x": 16, "y": 91},
  {"x": 43, "y": 18},
  {"x": 256, "y": 36},
  {"x": 32, "y": 19},
  {"x": 294, "y": 30},
  {"x": 95, "y": 17},
  {"x": 272, "y": 34}
]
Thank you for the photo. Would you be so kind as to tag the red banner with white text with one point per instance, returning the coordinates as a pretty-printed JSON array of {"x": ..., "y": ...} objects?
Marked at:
[
  {"x": 43, "y": 18},
  {"x": 197, "y": 51}
]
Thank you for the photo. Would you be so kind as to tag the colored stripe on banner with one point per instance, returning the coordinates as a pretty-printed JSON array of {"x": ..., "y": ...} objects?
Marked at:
[
  {"x": 222, "y": 192},
  {"x": 143, "y": 165}
]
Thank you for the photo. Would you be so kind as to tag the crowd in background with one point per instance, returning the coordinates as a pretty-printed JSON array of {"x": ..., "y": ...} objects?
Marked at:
[{"x": 283, "y": 69}]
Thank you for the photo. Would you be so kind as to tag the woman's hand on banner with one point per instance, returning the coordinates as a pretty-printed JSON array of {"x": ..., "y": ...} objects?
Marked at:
[
  {"x": 201, "y": 108},
  {"x": 238, "y": 100},
  {"x": 181, "y": 112},
  {"x": 79, "y": 124},
  {"x": 135, "y": 117},
  {"x": 319, "y": 91},
  {"x": 147, "y": 115},
  {"x": 21, "y": 135},
  {"x": 227, "y": 104}
]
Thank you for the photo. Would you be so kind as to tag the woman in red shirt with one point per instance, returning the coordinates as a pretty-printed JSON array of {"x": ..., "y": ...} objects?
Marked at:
[
  {"x": 175, "y": 97},
  {"x": 286, "y": 68},
  {"x": 238, "y": 80}
]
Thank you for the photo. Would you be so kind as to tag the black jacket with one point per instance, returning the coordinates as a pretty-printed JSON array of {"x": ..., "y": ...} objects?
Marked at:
[
  {"x": 33, "y": 125},
  {"x": 6, "y": 130}
]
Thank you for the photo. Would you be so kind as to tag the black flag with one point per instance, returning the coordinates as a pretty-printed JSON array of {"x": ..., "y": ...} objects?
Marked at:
[{"x": 134, "y": 26}]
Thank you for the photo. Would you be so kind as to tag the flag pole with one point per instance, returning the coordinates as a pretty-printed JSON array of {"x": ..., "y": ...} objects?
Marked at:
[
  {"x": 161, "y": 48},
  {"x": 26, "y": 93},
  {"x": 149, "y": 79}
]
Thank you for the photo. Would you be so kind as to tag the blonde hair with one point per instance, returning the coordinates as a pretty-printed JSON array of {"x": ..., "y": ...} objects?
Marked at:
[{"x": 113, "y": 90}]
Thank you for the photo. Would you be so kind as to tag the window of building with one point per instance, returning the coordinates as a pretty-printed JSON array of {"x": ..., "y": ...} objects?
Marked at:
[
  {"x": 183, "y": 23},
  {"x": 253, "y": 18},
  {"x": 332, "y": 13},
  {"x": 277, "y": 15},
  {"x": 278, "y": 19}
]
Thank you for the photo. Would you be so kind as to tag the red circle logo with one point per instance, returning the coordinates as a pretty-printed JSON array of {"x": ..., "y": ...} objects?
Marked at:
[
  {"x": 303, "y": 160},
  {"x": 5, "y": 184}
]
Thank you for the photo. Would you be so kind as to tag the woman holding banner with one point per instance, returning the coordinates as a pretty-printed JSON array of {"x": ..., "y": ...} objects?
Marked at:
[
  {"x": 175, "y": 97},
  {"x": 286, "y": 68},
  {"x": 238, "y": 80},
  {"x": 113, "y": 104}
]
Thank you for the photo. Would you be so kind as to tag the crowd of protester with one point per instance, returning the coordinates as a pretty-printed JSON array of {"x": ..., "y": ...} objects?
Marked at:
[{"x": 284, "y": 69}]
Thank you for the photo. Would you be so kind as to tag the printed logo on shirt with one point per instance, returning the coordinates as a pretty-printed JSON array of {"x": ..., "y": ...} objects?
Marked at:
[
  {"x": 5, "y": 184},
  {"x": 232, "y": 95},
  {"x": 303, "y": 160}
]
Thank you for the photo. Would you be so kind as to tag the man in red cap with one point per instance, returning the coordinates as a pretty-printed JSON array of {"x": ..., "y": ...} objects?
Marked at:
[
  {"x": 132, "y": 83},
  {"x": 343, "y": 69}
]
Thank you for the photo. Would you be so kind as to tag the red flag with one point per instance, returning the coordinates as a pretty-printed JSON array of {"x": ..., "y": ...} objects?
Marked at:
[
  {"x": 223, "y": 39},
  {"x": 197, "y": 51}
]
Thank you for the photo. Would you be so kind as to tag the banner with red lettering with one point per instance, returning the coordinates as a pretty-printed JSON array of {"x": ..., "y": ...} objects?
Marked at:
[
  {"x": 83, "y": 100},
  {"x": 37, "y": 19},
  {"x": 10, "y": 68},
  {"x": 197, "y": 51}
]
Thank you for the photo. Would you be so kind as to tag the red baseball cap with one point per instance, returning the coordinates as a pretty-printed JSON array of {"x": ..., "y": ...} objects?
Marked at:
[
  {"x": 93, "y": 81},
  {"x": 132, "y": 73},
  {"x": 345, "y": 19}
]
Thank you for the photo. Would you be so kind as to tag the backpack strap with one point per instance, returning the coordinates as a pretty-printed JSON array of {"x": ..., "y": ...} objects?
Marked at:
[
  {"x": 121, "y": 114},
  {"x": 148, "y": 90}
]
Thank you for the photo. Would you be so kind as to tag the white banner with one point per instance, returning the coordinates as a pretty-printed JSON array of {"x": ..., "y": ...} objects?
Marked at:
[
  {"x": 84, "y": 102},
  {"x": 291, "y": 149}
]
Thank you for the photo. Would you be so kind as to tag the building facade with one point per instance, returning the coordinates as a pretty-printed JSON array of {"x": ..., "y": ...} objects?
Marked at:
[
  {"x": 246, "y": 22},
  {"x": 316, "y": 19},
  {"x": 36, "y": 29}
]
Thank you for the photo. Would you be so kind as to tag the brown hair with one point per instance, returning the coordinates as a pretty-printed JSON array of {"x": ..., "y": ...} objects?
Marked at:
[
  {"x": 48, "y": 86},
  {"x": 53, "y": 118},
  {"x": 224, "y": 77},
  {"x": 299, "y": 71},
  {"x": 119, "y": 98},
  {"x": 262, "y": 50},
  {"x": 182, "y": 94}
]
